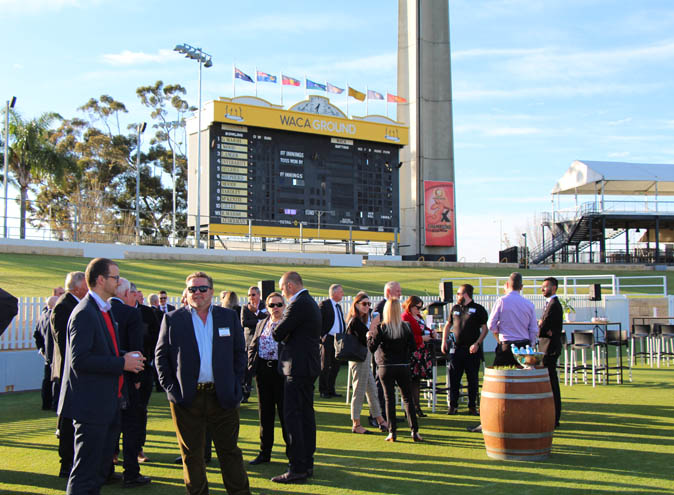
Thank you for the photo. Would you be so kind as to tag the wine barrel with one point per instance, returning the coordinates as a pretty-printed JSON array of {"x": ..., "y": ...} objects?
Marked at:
[{"x": 517, "y": 411}]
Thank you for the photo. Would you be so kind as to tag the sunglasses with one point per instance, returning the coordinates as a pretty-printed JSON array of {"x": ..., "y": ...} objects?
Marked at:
[
  {"x": 200, "y": 288},
  {"x": 419, "y": 307},
  {"x": 275, "y": 305},
  {"x": 366, "y": 303},
  {"x": 116, "y": 277}
]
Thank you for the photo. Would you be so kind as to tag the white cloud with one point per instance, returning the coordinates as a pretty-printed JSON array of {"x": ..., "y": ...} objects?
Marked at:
[
  {"x": 496, "y": 131},
  {"x": 128, "y": 57},
  {"x": 562, "y": 91},
  {"x": 295, "y": 23},
  {"x": 619, "y": 154},
  {"x": 41, "y": 6},
  {"x": 620, "y": 122}
]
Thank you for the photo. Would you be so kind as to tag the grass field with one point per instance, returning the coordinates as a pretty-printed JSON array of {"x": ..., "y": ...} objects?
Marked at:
[
  {"x": 34, "y": 276},
  {"x": 613, "y": 439}
]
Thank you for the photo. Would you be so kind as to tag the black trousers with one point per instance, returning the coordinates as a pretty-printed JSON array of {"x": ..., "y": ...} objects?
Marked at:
[
  {"x": 300, "y": 421},
  {"x": 144, "y": 395},
  {"x": 94, "y": 447},
  {"x": 132, "y": 431},
  {"x": 329, "y": 366},
  {"x": 66, "y": 441},
  {"x": 47, "y": 397},
  {"x": 463, "y": 361},
  {"x": 270, "y": 402},
  {"x": 190, "y": 423},
  {"x": 550, "y": 362},
  {"x": 503, "y": 355},
  {"x": 390, "y": 377}
]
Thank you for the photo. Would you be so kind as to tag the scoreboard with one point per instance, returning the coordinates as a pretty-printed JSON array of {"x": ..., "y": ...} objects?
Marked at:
[{"x": 279, "y": 174}]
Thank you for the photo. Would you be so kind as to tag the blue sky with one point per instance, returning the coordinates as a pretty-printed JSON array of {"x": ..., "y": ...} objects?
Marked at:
[{"x": 537, "y": 84}]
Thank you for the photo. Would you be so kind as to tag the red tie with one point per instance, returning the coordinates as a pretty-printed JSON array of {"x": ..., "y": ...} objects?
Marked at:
[{"x": 111, "y": 330}]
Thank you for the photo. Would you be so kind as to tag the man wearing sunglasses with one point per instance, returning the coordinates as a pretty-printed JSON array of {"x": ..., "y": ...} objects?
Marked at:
[
  {"x": 333, "y": 324},
  {"x": 163, "y": 302},
  {"x": 201, "y": 359}
]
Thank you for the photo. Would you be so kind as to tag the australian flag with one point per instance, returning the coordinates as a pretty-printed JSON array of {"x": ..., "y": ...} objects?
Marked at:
[
  {"x": 315, "y": 85},
  {"x": 239, "y": 74},
  {"x": 264, "y": 77}
]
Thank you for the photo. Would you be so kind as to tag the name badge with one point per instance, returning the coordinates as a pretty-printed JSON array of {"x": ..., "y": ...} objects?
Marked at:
[
  {"x": 471, "y": 310},
  {"x": 223, "y": 332},
  {"x": 457, "y": 313}
]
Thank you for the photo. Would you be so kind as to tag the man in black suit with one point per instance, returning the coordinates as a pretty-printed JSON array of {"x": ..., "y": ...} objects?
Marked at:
[
  {"x": 251, "y": 314},
  {"x": 130, "y": 329},
  {"x": 91, "y": 388},
  {"x": 76, "y": 289},
  {"x": 164, "y": 306},
  {"x": 332, "y": 318},
  {"x": 9, "y": 307},
  {"x": 550, "y": 338},
  {"x": 299, "y": 361},
  {"x": 201, "y": 359},
  {"x": 45, "y": 346}
]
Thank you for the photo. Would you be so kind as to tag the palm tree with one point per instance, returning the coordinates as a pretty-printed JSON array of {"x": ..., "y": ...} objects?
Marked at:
[{"x": 32, "y": 156}]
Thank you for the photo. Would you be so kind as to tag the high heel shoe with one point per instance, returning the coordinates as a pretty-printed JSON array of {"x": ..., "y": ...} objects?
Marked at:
[
  {"x": 391, "y": 437},
  {"x": 360, "y": 429},
  {"x": 416, "y": 437},
  {"x": 420, "y": 414}
]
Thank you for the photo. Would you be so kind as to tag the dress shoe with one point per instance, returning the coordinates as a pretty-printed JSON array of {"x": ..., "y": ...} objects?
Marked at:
[
  {"x": 420, "y": 414},
  {"x": 178, "y": 460},
  {"x": 475, "y": 429},
  {"x": 473, "y": 411},
  {"x": 391, "y": 437},
  {"x": 139, "y": 481},
  {"x": 325, "y": 396},
  {"x": 333, "y": 394},
  {"x": 113, "y": 478},
  {"x": 416, "y": 437},
  {"x": 452, "y": 410},
  {"x": 142, "y": 457},
  {"x": 260, "y": 459},
  {"x": 290, "y": 477}
]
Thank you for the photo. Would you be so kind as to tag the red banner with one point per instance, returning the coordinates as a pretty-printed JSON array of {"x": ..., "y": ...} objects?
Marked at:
[{"x": 439, "y": 213}]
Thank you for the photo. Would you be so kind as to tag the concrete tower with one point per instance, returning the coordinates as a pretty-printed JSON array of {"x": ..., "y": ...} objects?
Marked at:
[{"x": 427, "y": 215}]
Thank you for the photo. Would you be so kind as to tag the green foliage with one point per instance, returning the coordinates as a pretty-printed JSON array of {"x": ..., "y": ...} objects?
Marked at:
[{"x": 566, "y": 304}]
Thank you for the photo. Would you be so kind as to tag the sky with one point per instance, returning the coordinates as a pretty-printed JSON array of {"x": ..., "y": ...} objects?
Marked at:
[{"x": 536, "y": 84}]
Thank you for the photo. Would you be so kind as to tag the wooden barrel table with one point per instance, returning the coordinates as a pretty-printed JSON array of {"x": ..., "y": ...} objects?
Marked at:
[{"x": 517, "y": 411}]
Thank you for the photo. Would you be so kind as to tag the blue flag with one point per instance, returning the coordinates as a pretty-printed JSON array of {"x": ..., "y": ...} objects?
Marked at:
[{"x": 315, "y": 85}]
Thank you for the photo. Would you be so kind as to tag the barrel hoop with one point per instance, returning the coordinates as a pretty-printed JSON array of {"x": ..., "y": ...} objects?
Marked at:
[
  {"x": 510, "y": 380},
  {"x": 508, "y": 457},
  {"x": 520, "y": 451},
  {"x": 493, "y": 395},
  {"x": 516, "y": 373},
  {"x": 500, "y": 434}
]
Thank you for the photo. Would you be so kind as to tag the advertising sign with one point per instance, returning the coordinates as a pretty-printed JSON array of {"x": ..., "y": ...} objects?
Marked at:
[{"x": 439, "y": 213}]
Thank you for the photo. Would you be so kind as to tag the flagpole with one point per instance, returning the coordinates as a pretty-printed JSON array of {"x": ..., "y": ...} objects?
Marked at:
[
  {"x": 280, "y": 80},
  {"x": 387, "y": 102},
  {"x": 256, "y": 81},
  {"x": 305, "y": 85},
  {"x": 367, "y": 100},
  {"x": 347, "y": 99},
  {"x": 234, "y": 80}
]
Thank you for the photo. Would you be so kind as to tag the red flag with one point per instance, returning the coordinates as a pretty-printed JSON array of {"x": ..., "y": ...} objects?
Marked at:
[
  {"x": 290, "y": 81},
  {"x": 395, "y": 99}
]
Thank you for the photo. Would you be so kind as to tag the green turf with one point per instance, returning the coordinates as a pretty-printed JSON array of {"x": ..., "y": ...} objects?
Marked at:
[
  {"x": 35, "y": 275},
  {"x": 613, "y": 439}
]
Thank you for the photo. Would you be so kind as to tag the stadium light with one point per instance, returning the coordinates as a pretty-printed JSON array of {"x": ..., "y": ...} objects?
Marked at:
[
  {"x": 206, "y": 60},
  {"x": 10, "y": 104}
]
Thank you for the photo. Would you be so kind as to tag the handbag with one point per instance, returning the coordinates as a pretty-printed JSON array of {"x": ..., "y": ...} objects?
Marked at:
[{"x": 348, "y": 348}]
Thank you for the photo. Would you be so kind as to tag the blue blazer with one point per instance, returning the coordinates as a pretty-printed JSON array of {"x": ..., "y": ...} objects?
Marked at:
[
  {"x": 300, "y": 333},
  {"x": 178, "y": 361},
  {"x": 89, "y": 386}
]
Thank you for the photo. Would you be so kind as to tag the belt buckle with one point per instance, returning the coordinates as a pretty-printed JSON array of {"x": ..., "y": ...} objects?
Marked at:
[{"x": 270, "y": 363}]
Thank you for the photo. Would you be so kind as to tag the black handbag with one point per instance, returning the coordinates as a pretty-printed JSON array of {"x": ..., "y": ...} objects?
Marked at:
[{"x": 348, "y": 348}]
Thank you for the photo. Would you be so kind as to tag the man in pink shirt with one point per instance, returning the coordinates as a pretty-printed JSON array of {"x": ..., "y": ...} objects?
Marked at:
[{"x": 513, "y": 321}]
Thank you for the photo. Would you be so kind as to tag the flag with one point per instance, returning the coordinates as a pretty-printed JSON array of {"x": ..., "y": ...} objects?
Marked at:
[
  {"x": 314, "y": 85},
  {"x": 334, "y": 89},
  {"x": 356, "y": 94},
  {"x": 373, "y": 95},
  {"x": 290, "y": 81},
  {"x": 394, "y": 98},
  {"x": 264, "y": 77},
  {"x": 242, "y": 75}
]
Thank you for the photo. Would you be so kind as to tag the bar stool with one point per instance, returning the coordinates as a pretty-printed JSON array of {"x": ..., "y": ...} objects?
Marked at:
[
  {"x": 666, "y": 344},
  {"x": 583, "y": 340},
  {"x": 565, "y": 353},
  {"x": 617, "y": 338},
  {"x": 642, "y": 334}
]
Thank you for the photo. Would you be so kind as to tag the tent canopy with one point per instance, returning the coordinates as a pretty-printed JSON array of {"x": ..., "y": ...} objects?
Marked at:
[{"x": 617, "y": 178}]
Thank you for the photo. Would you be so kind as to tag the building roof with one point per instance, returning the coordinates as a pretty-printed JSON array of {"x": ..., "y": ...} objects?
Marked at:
[{"x": 618, "y": 178}]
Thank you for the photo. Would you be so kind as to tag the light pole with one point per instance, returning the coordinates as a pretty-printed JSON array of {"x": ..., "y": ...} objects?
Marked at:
[
  {"x": 141, "y": 129},
  {"x": 204, "y": 59},
  {"x": 10, "y": 104},
  {"x": 174, "y": 126},
  {"x": 526, "y": 252}
]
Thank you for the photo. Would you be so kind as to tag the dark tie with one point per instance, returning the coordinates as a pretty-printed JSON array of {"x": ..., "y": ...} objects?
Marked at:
[{"x": 341, "y": 318}]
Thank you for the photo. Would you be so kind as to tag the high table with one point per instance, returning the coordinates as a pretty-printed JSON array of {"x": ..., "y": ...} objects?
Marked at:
[{"x": 599, "y": 329}]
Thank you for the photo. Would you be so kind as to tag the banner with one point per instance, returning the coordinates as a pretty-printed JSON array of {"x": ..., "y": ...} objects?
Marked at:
[{"x": 439, "y": 213}]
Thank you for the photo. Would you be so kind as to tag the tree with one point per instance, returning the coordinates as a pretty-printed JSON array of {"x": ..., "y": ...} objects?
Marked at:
[{"x": 33, "y": 157}]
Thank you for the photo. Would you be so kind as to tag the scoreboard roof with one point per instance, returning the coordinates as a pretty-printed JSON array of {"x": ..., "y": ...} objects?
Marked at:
[{"x": 314, "y": 116}]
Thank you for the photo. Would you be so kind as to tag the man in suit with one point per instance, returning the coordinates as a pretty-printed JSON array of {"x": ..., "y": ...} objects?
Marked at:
[
  {"x": 9, "y": 307},
  {"x": 550, "y": 338},
  {"x": 130, "y": 329},
  {"x": 76, "y": 289},
  {"x": 163, "y": 304},
  {"x": 299, "y": 362},
  {"x": 91, "y": 388},
  {"x": 332, "y": 324},
  {"x": 201, "y": 359},
  {"x": 45, "y": 345},
  {"x": 251, "y": 314}
]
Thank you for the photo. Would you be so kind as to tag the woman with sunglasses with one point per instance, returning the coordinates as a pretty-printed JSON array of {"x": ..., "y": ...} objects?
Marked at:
[
  {"x": 393, "y": 343},
  {"x": 421, "y": 362},
  {"x": 361, "y": 373},
  {"x": 263, "y": 354}
]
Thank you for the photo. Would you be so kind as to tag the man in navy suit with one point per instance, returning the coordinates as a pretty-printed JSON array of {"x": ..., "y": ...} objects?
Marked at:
[
  {"x": 332, "y": 324},
  {"x": 91, "y": 387},
  {"x": 200, "y": 359},
  {"x": 550, "y": 338},
  {"x": 164, "y": 306},
  {"x": 300, "y": 363}
]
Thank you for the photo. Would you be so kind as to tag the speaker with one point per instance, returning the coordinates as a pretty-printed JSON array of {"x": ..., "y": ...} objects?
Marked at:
[
  {"x": 266, "y": 287},
  {"x": 595, "y": 292},
  {"x": 446, "y": 292}
]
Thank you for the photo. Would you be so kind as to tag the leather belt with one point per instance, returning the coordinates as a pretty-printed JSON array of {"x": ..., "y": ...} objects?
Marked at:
[{"x": 207, "y": 386}]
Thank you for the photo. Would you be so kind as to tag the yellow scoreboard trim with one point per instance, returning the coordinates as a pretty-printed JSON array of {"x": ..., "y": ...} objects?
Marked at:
[
  {"x": 294, "y": 232},
  {"x": 229, "y": 112}
]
